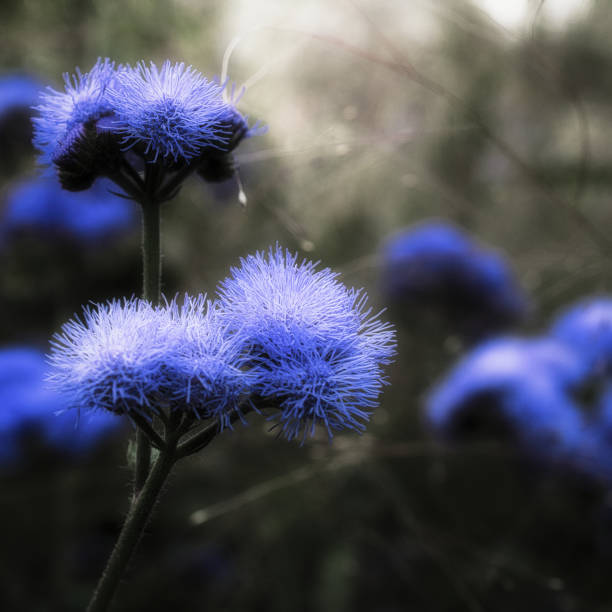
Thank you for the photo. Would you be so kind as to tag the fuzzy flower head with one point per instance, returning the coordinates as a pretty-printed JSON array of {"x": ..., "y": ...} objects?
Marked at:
[
  {"x": 132, "y": 358},
  {"x": 63, "y": 115},
  {"x": 316, "y": 350},
  {"x": 436, "y": 265},
  {"x": 174, "y": 113},
  {"x": 114, "y": 359},
  {"x": 207, "y": 369}
]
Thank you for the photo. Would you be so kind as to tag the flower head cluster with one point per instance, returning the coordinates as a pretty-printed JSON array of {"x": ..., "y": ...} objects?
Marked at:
[
  {"x": 66, "y": 128},
  {"x": 173, "y": 112},
  {"x": 553, "y": 395},
  {"x": 132, "y": 358},
  {"x": 317, "y": 351},
  {"x": 42, "y": 206},
  {"x": 436, "y": 265},
  {"x": 29, "y": 407},
  {"x": 170, "y": 115},
  {"x": 282, "y": 335}
]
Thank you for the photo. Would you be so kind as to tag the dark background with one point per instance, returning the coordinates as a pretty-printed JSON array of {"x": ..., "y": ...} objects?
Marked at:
[{"x": 380, "y": 115}]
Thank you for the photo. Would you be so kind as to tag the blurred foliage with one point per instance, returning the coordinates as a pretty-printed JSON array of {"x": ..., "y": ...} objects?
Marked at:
[{"x": 381, "y": 114}]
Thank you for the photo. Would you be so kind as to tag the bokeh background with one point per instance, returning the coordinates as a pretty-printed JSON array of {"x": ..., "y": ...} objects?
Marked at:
[{"x": 492, "y": 115}]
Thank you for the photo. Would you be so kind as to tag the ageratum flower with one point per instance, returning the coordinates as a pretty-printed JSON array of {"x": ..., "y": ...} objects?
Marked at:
[
  {"x": 207, "y": 368},
  {"x": 41, "y": 206},
  {"x": 437, "y": 266},
  {"x": 517, "y": 389},
  {"x": 66, "y": 129},
  {"x": 174, "y": 114},
  {"x": 316, "y": 350},
  {"x": 132, "y": 358},
  {"x": 587, "y": 329},
  {"x": 28, "y": 407}
]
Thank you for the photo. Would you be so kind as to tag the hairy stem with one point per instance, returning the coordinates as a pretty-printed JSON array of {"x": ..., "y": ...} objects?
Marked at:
[{"x": 131, "y": 532}]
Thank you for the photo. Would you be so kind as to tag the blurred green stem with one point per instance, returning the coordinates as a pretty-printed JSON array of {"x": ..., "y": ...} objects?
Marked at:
[{"x": 136, "y": 521}]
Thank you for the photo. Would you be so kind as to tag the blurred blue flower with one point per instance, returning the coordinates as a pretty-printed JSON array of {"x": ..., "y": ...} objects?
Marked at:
[
  {"x": 587, "y": 329},
  {"x": 436, "y": 265},
  {"x": 316, "y": 350},
  {"x": 84, "y": 100},
  {"x": 174, "y": 113},
  {"x": 29, "y": 406},
  {"x": 42, "y": 206},
  {"x": 517, "y": 389},
  {"x": 132, "y": 358},
  {"x": 17, "y": 94}
]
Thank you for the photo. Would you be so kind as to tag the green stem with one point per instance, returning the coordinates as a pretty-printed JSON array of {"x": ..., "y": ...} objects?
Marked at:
[
  {"x": 151, "y": 254},
  {"x": 151, "y": 291},
  {"x": 132, "y": 530}
]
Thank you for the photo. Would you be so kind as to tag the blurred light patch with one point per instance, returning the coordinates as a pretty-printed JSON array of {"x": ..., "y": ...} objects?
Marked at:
[{"x": 513, "y": 14}]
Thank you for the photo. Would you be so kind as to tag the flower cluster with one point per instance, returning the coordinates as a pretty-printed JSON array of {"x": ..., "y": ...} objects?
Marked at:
[
  {"x": 437, "y": 266},
  {"x": 552, "y": 395},
  {"x": 30, "y": 408},
  {"x": 282, "y": 335},
  {"x": 170, "y": 115}
]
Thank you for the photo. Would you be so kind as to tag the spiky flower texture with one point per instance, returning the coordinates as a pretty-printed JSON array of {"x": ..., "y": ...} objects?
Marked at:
[
  {"x": 171, "y": 116},
  {"x": 283, "y": 335},
  {"x": 84, "y": 99},
  {"x": 317, "y": 351},
  {"x": 131, "y": 358},
  {"x": 173, "y": 110}
]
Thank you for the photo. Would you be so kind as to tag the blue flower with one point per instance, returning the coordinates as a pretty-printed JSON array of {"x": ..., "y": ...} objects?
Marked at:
[
  {"x": 514, "y": 388},
  {"x": 436, "y": 265},
  {"x": 62, "y": 116},
  {"x": 315, "y": 348},
  {"x": 29, "y": 406},
  {"x": 208, "y": 374},
  {"x": 587, "y": 329},
  {"x": 174, "y": 113},
  {"x": 42, "y": 206},
  {"x": 17, "y": 94},
  {"x": 132, "y": 358}
]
